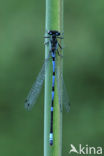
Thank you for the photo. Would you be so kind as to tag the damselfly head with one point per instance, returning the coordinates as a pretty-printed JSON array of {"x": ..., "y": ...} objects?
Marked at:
[{"x": 54, "y": 32}]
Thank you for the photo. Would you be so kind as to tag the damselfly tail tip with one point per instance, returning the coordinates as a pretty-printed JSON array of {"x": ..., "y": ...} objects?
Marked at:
[
  {"x": 51, "y": 139},
  {"x": 51, "y": 142}
]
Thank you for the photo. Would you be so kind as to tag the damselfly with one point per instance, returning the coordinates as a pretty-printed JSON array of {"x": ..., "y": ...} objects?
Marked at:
[{"x": 54, "y": 46}]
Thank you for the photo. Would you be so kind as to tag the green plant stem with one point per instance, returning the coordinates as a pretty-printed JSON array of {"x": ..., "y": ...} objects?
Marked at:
[{"x": 54, "y": 21}]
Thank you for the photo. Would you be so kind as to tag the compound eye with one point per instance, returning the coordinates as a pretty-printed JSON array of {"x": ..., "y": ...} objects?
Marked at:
[
  {"x": 50, "y": 33},
  {"x": 57, "y": 34}
]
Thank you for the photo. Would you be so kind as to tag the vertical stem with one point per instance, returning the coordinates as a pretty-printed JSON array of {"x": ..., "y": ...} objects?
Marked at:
[{"x": 54, "y": 21}]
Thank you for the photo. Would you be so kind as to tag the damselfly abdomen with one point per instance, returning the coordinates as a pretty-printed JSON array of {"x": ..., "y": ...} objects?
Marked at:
[{"x": 54, "y": 47}]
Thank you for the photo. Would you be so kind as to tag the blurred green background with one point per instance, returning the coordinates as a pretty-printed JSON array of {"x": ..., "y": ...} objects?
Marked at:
[{"x": 22, "y": 25}]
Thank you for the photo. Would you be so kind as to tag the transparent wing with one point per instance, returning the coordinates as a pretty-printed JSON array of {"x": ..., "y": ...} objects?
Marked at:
[
  {"x": 63, "y": 96},
  {"x": 66, "y": 99},
  {"x": 36, "y": 88},
  {"x": 62, "y": 91},
  {"x": 59, "y": 79}
]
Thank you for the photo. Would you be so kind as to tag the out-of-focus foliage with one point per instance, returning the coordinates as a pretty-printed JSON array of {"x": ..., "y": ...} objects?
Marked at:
[{"x": 21, "y": 57}]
